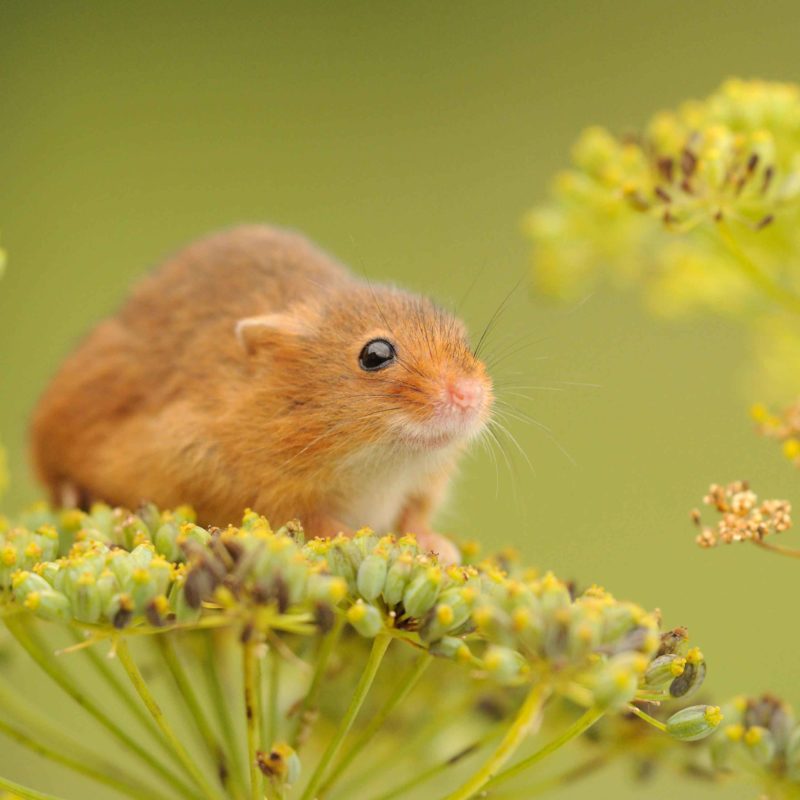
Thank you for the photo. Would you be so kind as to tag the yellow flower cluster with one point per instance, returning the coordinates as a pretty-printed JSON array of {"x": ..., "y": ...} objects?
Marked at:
[{"x": 702, "y": 207}]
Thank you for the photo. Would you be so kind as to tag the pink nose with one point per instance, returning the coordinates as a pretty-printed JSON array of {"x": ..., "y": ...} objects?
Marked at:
[{"x": 465, "y": 394}]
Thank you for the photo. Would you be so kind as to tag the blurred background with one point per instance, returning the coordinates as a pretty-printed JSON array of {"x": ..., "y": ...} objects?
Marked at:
[{"x": 409, "y": 139}]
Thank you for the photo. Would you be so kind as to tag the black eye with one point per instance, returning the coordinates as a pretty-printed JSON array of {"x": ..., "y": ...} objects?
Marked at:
[{"x": 376, "y": 354}]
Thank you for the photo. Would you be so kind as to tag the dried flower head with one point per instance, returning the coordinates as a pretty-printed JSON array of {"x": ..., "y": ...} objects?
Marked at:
[{"x": 742, "y": 517}]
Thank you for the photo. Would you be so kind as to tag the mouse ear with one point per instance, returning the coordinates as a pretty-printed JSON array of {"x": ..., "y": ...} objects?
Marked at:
[{"x": 297, "y": 321}]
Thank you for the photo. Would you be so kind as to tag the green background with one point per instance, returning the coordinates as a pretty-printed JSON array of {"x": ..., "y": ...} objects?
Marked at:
[{"x": 409, "y": 138}]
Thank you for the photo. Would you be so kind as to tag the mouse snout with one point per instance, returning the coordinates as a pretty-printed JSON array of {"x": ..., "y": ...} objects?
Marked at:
[{"x": 464, "y": 394}]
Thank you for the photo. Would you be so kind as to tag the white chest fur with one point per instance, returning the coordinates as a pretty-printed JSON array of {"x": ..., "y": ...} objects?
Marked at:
[{"x": 378, "y": 483}]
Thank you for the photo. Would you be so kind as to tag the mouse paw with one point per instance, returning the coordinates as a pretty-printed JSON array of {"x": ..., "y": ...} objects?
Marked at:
[{"x": 446, "y": 552}]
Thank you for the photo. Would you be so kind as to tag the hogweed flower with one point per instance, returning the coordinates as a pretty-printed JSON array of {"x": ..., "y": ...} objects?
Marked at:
[{"x": 307, "y": 615}]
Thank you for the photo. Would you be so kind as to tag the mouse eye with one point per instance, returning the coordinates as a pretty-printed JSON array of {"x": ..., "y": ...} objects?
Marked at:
[{"x": 376, "y": 355}]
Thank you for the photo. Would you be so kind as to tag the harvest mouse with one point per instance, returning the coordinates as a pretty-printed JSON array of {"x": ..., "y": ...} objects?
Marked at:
[{"x": 252, "y": 370}]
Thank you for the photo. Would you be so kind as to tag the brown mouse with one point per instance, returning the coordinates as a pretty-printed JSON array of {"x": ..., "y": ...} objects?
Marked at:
[{"x": 252, "y": 370}]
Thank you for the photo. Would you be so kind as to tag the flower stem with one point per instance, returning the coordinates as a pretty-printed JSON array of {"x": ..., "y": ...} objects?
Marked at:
[
  {"x": 252, "y": 704},
  {"x": 44, "y": 733},
  {"x": 789, "y": 552},
  {"x": 104, "y": 776},
  {"x": 565, "y": 778},
  {"x": 580, "y": 726},
  {"x": 379, "y": 647},
  {"x": 646, "y": 717},
  {"x": 120, "y": 690},
  {"x": 320, "y": 669},
  {"x": 60, "y": 677},
  {"x": 524, "y": 721},
  {"x": 140, "y": 685},
  {"x": 271, "y": 734},
  {"x": 197, "y": 716},
  {"x": 17, "y": 790},
  {"x": 422, "y": 777},
  {"x": 401, "y": 691},
  {"x": 785, "y": 297}
]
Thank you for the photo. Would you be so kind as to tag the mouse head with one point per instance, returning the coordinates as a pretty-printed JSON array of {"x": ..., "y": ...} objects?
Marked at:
[{"x": 386, "y": 365}]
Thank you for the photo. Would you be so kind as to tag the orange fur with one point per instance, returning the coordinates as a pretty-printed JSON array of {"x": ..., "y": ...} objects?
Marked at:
[{"x": 230, "y": 379}]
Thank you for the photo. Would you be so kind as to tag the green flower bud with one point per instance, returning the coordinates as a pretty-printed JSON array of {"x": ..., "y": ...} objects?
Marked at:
[
  {"x": 724, "y": 745},
  {"x": 615, "y": 682},
  {"x": 663, "y": 670},
  {"x": 86, "y": 600},
  {"x": 451, "y": 647},
  {"x": 372, "y": 576},
  {"x": 692, "y": 677},
  {"x": 340, "y": 565},
  {"x": 422, "y": 591},
  {"x": 693, "y": 723},
  {"x": 760, "y": 743},
  {"x": 166, "y": 540},
  {"x": 397, "y": 579},
  {"x": 504, "y": 664},
  {"x": 366, "y": 619},
  {"x": 49, "y": 604},
  {"x": 24, "y": 583},
  {"x": 328, "y": 589}
]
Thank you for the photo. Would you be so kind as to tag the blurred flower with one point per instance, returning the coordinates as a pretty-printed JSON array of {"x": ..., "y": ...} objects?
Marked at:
[{"x": 701, "y": 209}]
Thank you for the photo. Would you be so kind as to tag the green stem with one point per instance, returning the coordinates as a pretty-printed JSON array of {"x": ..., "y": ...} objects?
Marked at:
[
  {"x": 785, "y": 297},
  {"x": 566, "y": 778},
  {"x": 140, "y": 685},
  {"x": 379, "y": 646},
  {"x": 47, "y": 734},
  {"x": 104, "y": 776},
  {"x": 60, "y": 677},
  {"x": 580, "y": 726},
  {"x": 253, "y": 712},
  {"x": 120, "y": 690},
  {"x": 271, "y": 734},
  {"x": 431, "y": 772},
  {"x": 230, "y": 736},
  {"x": 524, "y": 721},
  {"x": 194, "y": 710},
  {"x": 366, "y": 736},
  {"x": 320, "y": 669},
  {"x": 24, "y": 792},
  {"x": 647, "y": 718}
]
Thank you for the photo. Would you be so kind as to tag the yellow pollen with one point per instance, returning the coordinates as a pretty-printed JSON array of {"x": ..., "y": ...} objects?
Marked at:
[
  {"x": 32, "y": 601},
  {"x": 677, "y": 667},
  {"x": 753, "y": 735},
  {"x": 735, "y": 732}
]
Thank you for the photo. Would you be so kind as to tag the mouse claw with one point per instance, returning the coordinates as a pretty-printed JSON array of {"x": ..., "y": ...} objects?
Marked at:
[{"x": 446, "y": 552}]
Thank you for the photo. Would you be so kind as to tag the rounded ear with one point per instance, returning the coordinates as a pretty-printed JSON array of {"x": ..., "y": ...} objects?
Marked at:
[{"x": 297, "y": 321}]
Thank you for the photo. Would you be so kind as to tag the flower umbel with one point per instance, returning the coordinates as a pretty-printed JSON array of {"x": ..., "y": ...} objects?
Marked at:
[{"x": 306, "y": 616}]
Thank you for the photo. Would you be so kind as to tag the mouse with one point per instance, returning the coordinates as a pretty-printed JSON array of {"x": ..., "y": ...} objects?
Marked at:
[{"x": 252, "y": 370}]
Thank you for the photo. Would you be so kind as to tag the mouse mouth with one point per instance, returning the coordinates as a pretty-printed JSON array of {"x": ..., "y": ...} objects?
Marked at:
[{"x": 443, "y": 427}]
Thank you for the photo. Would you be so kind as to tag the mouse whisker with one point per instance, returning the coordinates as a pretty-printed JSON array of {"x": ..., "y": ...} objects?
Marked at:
[{"x": 490, "y": 325}]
